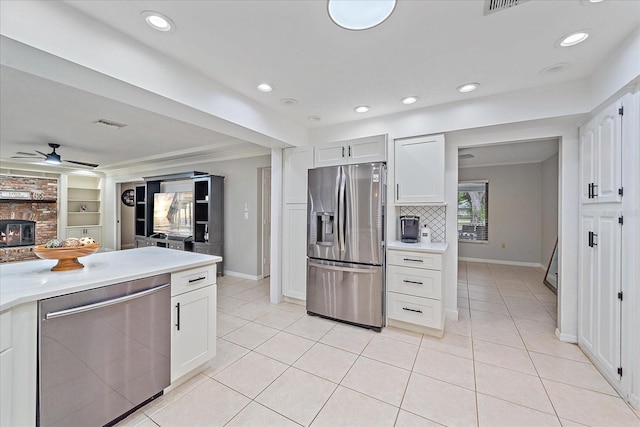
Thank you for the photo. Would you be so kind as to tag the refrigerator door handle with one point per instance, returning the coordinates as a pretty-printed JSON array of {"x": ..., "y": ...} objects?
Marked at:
[
  {"x": 343, "y": 269},
  {"x": 341, "y": 210}
]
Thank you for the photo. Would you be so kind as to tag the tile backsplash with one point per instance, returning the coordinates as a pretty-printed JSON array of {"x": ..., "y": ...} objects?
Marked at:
[{"x": 433, "y": 217}]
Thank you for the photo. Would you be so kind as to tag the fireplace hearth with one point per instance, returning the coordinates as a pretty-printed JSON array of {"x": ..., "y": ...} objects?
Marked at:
[{"x": 17, "y": 232}]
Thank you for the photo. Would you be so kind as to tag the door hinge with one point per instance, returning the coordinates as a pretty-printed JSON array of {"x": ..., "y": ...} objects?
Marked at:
[
  {"x": 620, "y": 371},
  {"x": 621, "y": 111},
  {"x": 620, "y": 191},
  {"x": 621, "y": 220},
  {"x": 620, "y": 295}
]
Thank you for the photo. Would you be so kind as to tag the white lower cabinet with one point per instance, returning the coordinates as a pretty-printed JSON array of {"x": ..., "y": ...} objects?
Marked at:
[
  {"x": 18, "y": 365},
  {"x": 6, "y": 370},
  {"x": 415, "y": 291},
  {"x": 95, "y": 232},
  {"x": 193, "y": 329}
]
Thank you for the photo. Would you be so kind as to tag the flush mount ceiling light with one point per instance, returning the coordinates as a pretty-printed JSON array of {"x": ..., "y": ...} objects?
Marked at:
[
  {"x": 468, "y": 87},
  {"x": 359, "y": 14},
  {"x": 409, "y": 100},
  {"x": 158, "y": 21},
  {"x": 361, "y": 109},
  {"x": 265, "y": 87},
  {"x": 573, "y": 39}
]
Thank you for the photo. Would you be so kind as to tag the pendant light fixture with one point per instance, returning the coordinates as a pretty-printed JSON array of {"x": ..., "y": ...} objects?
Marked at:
[{"x": 359, "y": 14}]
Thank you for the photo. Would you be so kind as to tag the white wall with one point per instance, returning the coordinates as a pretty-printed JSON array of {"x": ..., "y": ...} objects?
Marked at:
[
  {"x": 515, "y": 213},
  {"x": 242, "y": 238},
  {"x": 549, "y": 207}
]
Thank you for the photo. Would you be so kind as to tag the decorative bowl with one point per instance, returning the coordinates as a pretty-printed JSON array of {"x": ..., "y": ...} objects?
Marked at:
[{"x": 67, "y": 256}]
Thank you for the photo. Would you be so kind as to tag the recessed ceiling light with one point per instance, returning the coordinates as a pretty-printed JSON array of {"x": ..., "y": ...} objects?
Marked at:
[
  {"x": 265, "y": 87},
  {"x": 359, "y": 14},
  {"x": 158, "y": 21},
  {"x": 314, "y": 118},
  {"x": 361, "y": 109},
  {"x": 555, "y": 68},
  {"x": 409, "y": 100},
  {"x": 468, "y": 87},
  {"x": 573, "y": 39},
  {"x": 288, "y": 101}
]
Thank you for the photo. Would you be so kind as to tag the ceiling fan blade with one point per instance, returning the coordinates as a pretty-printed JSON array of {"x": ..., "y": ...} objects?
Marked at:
[
  {"x": 91, "y": 165},
  {"x": 22, "y": 153},
  {"x": 41, "y": 153},
  {"x": 25, "y": 157}
]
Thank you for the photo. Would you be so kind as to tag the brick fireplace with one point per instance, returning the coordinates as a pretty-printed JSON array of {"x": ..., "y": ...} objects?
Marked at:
[{"x": 24, "y": 199}]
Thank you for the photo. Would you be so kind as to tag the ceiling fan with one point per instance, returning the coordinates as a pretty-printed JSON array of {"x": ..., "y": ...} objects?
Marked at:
[{"x": 53, "y": 157}]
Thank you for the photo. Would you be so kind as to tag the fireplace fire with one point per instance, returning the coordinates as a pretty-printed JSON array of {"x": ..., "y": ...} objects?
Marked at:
[{"x": 17, "y": 232}]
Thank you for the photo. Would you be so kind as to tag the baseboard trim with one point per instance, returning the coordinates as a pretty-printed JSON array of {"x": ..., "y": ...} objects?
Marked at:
[
  {"x": 634, "y": 400},
  {"x": 497, "y": 261},
  {"x": 570, "y": 338},
  {"x": 451, "y": 314},
  {"x": 241, "y": 275}
]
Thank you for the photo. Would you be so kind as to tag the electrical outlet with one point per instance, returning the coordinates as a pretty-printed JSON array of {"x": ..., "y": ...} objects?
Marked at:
[{"x": 503, "y": 245}]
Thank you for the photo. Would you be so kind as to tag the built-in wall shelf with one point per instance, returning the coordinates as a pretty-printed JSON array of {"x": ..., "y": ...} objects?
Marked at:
[{"x": 84, "y": 202}]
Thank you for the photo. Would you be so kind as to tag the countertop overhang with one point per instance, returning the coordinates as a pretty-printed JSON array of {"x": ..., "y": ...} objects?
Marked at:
[
  {"x": 418, "y": 247},
  {"x": 29, "y": 281}
]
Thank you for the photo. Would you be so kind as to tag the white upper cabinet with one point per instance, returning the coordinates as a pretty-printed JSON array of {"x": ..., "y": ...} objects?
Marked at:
[
  {"x": 419, "y": 170},
  {"x": 601, "y": 157},
  {"x": 361, "y": 150},
  {"x": 297, "y": 161}
]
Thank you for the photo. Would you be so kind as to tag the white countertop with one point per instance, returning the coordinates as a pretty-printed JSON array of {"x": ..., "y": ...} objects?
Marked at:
[
  {"x": 28, "y": 281},
  {"x": 418, "y": 247}
]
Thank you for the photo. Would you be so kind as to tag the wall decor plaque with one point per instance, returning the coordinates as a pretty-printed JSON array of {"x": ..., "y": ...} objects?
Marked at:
[{"x": 15, "y": 195}]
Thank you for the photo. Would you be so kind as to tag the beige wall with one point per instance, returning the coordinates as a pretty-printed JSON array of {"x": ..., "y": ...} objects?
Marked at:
[
  {"x": 515, "y": 213},
  {"x": 549, "y": 208},
  {"x": 127, "y": 219}
]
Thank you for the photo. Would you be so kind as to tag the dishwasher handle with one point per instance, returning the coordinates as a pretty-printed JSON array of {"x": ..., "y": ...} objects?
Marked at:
[{"x": 101, "y": 304}]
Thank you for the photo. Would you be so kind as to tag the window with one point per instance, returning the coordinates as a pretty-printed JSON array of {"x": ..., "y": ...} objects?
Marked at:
[{"x": 473, "y": 211}]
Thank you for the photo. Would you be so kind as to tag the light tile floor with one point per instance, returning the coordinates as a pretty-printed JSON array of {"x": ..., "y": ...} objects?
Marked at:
[{"x": 500, "y": 364}]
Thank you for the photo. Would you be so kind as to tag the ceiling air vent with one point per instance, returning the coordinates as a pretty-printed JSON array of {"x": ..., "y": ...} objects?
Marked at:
[
  {"x": 492, "y": 6},
  {"x": 109, "y": 124}
]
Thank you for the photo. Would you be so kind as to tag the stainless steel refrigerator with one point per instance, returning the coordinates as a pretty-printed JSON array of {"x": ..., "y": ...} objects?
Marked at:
[{"x": 345, "y": 243}]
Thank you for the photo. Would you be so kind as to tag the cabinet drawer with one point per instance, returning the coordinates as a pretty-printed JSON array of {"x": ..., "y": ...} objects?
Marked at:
[
  {"x": 415, "y": 259},
  {"x": 415, "y": 281},
  {"x": 5, "y": 330},
  {"x": 188, "y": 280},
  {"x": 416, "y": 310}
]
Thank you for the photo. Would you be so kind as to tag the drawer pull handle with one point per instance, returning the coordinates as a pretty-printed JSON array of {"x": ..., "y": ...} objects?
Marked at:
[
  {"x": 178, "y": 316},
  {"x": 413, "y": 281},
  {"x": 413, "y": 260},
  {"x": 412, "y": 309},
  {"x": 198, "y": 279}
]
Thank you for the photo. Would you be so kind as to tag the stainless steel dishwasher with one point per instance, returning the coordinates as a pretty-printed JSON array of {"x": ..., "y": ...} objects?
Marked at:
[{"x": 104, "y": 352}]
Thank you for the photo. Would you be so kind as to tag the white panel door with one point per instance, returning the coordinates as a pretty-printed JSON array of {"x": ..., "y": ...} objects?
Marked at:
[
  {"x": 587, "y": 164},
  {"x": 331, "y": 154},
  {"x": 297, "y": 162},
  {"x": 193, "y": 330},
  {"x": 587, "y": 287},
  {"x": 608, "y": 305},
  {"x": 370, "y": 149},
  {"x": 419, "y": 170},
  {"x": 608, "y": 157},
  {"x": 294, "y": 252}
]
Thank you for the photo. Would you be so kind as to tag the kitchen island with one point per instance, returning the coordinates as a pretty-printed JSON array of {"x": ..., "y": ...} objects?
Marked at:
[{"x": 23, "y": 284}]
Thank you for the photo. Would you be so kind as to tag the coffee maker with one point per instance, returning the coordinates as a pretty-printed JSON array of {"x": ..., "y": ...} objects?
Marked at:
[{"x": 409, "y": 228}]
